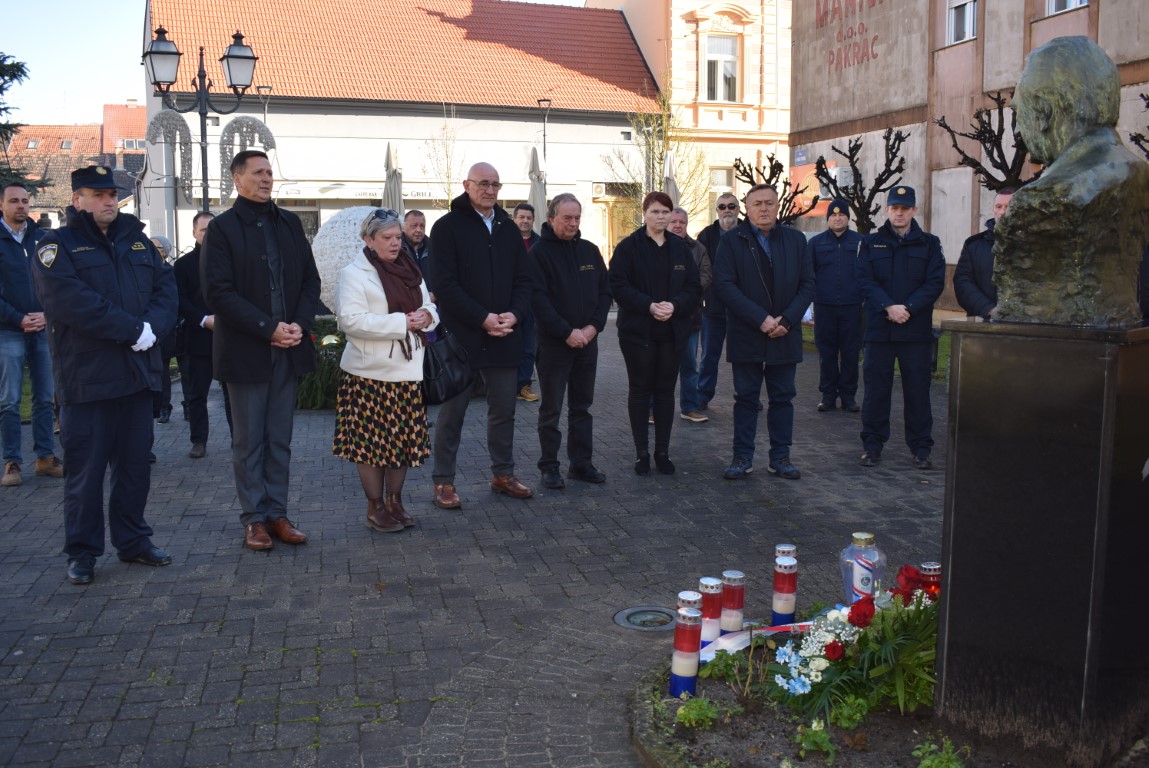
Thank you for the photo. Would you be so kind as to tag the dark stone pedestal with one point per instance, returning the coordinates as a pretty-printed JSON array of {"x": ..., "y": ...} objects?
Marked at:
[{"x": 1044, "y": 629}]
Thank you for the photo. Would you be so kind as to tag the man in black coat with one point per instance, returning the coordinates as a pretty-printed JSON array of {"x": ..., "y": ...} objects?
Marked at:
[
  {"x": 571, "y": 302},
  {"x": 713, "y": 332},
  {"x": 483, "y": 284},
  {"x": 973, "y": 276},
  {"x": 108, "y": 297},
  {"x": 764, "y": 277},
  {"x": 260, "y": 282},
  {"x": 194, "y": 343},
  {"x": 901, "y": 273}
]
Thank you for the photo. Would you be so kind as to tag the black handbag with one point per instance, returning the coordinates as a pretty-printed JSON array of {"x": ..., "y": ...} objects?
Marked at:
[{"x": 446, "y": 368}]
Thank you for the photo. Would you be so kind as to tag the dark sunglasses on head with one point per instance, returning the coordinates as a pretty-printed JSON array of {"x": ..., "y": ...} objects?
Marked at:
[
  {"x": 386, "y": 213},
  {"x": 727, "y": 206}
]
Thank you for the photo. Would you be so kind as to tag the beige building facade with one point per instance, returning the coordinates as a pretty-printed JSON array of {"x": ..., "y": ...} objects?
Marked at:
[{"x": 861, "y": 66}]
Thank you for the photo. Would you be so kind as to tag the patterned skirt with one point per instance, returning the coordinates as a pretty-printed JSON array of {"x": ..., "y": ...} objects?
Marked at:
[{"x": 381, "y": 423}]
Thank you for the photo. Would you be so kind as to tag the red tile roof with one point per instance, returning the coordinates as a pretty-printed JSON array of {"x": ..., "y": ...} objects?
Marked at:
[
  {"x": 50, "y": 163},
  {"x": 123, "y": 121},
  {"x": 482, "y": 52},
  {"x": 50, "y": 139}
]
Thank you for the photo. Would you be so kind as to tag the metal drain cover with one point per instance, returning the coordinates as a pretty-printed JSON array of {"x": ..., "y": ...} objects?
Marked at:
[{"x": 646, "y": 618}]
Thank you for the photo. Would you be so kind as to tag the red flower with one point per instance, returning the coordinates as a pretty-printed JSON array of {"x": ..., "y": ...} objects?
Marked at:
[
  {"x": 834, "y": 650},
  {"x": 862, "y": 612},
  {"x": 907, "y": 595},
  {"x": 909, "y": 578}
]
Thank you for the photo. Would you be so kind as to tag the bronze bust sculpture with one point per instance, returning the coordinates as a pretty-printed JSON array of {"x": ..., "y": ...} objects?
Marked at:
[{"x": 1068, "y": 249}]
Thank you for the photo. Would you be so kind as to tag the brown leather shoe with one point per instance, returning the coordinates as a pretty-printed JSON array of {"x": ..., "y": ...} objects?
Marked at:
[
  {"x": 49, "y": 466},
  {"x": 446, "y": 497},
  {"x": 380, "y": 517},
  {"x": 510, "y": 485},
  {"x": 285, "y": 530},
  {"x": 11, "y": 474},
  {"x": 255, "y": 536},
  {"x": 395, "y": 501}
]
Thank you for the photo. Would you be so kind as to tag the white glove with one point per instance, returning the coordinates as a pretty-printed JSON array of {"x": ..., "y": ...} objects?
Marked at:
[{"x": 146, "y": 340}]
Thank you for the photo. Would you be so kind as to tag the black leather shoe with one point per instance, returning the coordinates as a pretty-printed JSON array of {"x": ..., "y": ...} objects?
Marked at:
[
  {"x": 923, "y": 462},
  {"x": 165, "y": 415},
  {"x": 552, "y": 479},
  {"x": 871, "y": 459},
  {"x": 81, "y": 571},
  {"x": 588, "y": 474},
  {"x": 849, "y": 406},
  {"x": 150, "y": 556}
]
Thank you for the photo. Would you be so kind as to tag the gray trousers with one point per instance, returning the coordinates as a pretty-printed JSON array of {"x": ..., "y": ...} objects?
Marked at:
[
  {"x": 263, "y": 415},
  {"x": 502, "y": 387}
]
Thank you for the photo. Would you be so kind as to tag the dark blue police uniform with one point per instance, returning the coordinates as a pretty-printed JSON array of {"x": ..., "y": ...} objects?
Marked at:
[
  {"x": 911, "y": 271},
  {"x": 98, "y": 290},
  {"x": 837, "y": 312}
]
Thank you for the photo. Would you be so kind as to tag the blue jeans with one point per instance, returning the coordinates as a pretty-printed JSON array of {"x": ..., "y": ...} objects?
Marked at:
[
  {"x": 780, "y": 391},
  {"x": 17, "y": 349},
  {"x": 530, "y": 344},
  {"x": 713, "y": 337},
  {"x": 688, "y": 375}
]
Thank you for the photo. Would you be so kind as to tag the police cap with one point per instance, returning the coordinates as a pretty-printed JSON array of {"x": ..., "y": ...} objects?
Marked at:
[{"x": 93, "y": 177}]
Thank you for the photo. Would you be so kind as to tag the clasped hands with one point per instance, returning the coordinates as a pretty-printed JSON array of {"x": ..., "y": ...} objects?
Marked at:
[
  {"x": 662, "y": 311},
  {"x": 897, "y": 313},
  {"x": 418, "y": 320},
  {"x": 499, "y": 325},
  {"x": 773, "y": 328},
  {"x": 32, "y": 322},
  {"x": 580, "y": 337},
  {"x": 287, "y": 335}
]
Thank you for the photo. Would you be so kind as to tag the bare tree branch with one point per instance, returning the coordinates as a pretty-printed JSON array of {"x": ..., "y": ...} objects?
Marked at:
[
  {"x": 988, "y": 130},
  {"x": 857, "y": 195},
  {"x": 1140, "y": 140},
  {"x": 789, "y": 210}
]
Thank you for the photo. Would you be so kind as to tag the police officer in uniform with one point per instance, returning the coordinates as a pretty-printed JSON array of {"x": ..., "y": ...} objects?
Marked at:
[
  {"x": 108, "y": 296},
  {"x": 837, "y": 308}
]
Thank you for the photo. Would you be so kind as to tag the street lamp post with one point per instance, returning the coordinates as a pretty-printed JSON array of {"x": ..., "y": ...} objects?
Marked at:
[
  {"x": 162, "y": 59},
  {"x": 545, "y": 106}
]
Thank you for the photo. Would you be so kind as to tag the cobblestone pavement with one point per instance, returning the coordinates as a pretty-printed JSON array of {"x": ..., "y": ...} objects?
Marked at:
[{"x": 482, "y": 637}]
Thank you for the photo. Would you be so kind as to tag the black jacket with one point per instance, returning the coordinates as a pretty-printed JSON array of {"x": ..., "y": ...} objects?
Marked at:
[
  {"x": 236, "y": 285},
  {"x": 193, "y": 338},
  {"x": 894, "y": 270},
  {"x": 632, "y": 269},
  {"x": 477, "y": 273},
  {"x": 973, "y": 276},
  {"x": 740, "y": 285},
  {"x": 17, "y": 297},
  {"x": 572, "y": 287},
  {"x": 422, "y": 258},
  {"x": 98, "y": 291}
]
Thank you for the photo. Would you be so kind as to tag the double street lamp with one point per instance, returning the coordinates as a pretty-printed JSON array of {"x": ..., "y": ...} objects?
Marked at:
[{"x": 162, "y": 59}]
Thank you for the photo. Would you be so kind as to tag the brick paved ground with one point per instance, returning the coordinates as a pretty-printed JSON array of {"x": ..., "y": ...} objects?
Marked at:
[{"x": 483, "y": 637}]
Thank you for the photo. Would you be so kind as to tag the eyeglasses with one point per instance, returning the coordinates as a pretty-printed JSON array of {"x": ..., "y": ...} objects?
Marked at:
[
  {"x": 386, "y": 213},
  {"x": 485, "y": 185},
  {"x": 727, "y": 206}
]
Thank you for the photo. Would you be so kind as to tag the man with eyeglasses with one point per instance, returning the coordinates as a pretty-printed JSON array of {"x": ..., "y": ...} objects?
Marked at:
[
  {"x": 259, "y": 279},
  {"x": 713, "y": 313},
  {"x": 484, "y": 283}
]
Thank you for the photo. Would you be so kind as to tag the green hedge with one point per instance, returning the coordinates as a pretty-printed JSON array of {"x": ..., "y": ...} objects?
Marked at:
[{"x": 317, "y": 390}]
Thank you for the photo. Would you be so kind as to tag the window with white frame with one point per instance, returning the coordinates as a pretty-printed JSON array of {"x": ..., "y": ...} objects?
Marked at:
[
  {"x": 33, "y": 143},
  {"x": 961, "y": 20},
  {"x": 1057, "y": 6},
  {"x": 721, "y": 68}
]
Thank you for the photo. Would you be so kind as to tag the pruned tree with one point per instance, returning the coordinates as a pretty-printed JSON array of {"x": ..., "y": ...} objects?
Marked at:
[
  {"x": 1140, "y": 140},
  {"x": 654, "y": 135},
  {"x": 444, "y": 163},
  {"x": 11, "y": 73},
  {"x": 861, "y": 198},
  {"x": 988, "y": 130},
  {"x": 789, "y": 209}
]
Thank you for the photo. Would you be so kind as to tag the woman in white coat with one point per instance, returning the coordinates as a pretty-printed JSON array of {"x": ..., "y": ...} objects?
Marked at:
[{"x": 384, "y": 310}]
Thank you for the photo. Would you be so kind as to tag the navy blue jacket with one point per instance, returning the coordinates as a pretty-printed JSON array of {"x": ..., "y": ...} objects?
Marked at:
[
  {"x": 973, "y": 276},
  {"x": 632, "y": 268},
  {"x": 477, "y": 273},
  {"x": 741, "y": 287},
  {"x": 894, "y": 270},
  {"x": 17, "y": 296},
  {"x": 98, "y": 291},
  {"x": 836, "y": 267},
  {"x": 193, "y": 339},
  {"x": 572, "y": 288},
  {"x": 422, "y": 258}
]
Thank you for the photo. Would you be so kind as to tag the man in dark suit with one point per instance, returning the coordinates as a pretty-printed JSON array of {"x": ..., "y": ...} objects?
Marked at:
[
  {"x": 260, "y": 282},
  {"x": 764, "y": 276},
  {"x": 195, "y": 336}
]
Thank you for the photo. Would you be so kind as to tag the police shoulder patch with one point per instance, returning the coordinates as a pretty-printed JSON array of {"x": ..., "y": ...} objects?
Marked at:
[
  {"x": 138, "y": 246},
  {"x": 47, "y": 254}
]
